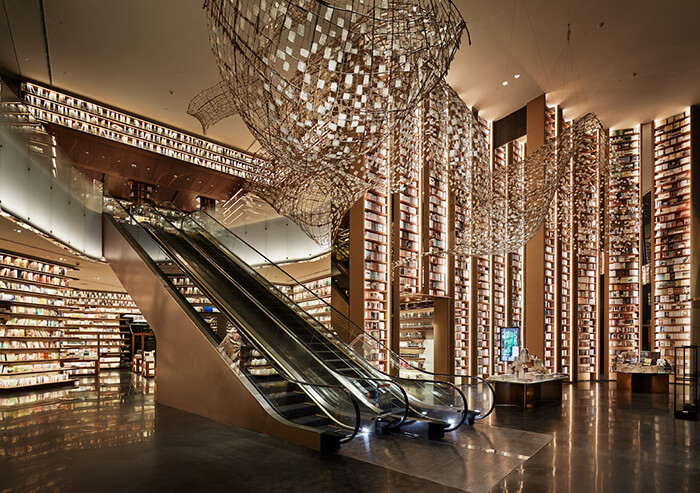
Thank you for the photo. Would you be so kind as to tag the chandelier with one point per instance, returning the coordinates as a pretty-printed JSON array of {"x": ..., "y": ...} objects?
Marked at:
[{"x": 319, "y": 83}]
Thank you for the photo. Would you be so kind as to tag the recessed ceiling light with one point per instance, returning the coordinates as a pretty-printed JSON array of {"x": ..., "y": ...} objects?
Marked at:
[
  {"x": 97, "y": 278},
  {"x": 133, "y": 165},
  {"x": 505, "y": 82},
  {"x": 516, "y": 76},
  {"x": 18, "y": 230},
  {"x": 62, "y": 259}
]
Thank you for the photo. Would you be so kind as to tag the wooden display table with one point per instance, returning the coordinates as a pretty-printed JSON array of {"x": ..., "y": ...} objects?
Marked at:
[
  {"x": 642, "y": 382},
  {"x": 528, "y": 391}
]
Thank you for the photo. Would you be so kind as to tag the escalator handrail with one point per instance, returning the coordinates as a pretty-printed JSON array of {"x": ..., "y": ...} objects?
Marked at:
[
  {"x": 377, "y": 381},
  {"x": 196, "y": 318},
  {"x": 358, "y": 328}
]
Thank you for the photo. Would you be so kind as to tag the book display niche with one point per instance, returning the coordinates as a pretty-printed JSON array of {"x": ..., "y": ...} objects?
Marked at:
[
  {"x": 417, "y": 336},
  {"x": 33, "y": 314}
]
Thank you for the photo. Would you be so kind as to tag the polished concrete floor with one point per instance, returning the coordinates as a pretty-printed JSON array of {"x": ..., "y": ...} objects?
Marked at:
[{"x": 109, "y": 435}]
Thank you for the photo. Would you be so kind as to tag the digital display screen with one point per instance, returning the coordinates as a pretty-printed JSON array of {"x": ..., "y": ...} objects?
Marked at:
[{"x": 510, "y": 343}]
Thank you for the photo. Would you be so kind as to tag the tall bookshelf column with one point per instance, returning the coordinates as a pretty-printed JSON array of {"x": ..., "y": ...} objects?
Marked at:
[
  {"x": 369, "y": 260},
  {"x": 676, "y": 222},
  {"x": 625, "y": 222}
]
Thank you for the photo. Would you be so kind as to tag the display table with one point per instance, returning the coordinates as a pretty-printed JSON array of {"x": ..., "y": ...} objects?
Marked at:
[
  {"x": 528, "y": 391},
  {"x": 642, "y": 380}
]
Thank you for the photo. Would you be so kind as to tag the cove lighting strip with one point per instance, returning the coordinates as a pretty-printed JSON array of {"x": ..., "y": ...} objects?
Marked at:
[{"x": 51, "y": 106}]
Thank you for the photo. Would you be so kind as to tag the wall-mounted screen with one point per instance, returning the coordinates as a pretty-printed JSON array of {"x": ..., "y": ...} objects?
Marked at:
[{"x": 510, "y": 343}]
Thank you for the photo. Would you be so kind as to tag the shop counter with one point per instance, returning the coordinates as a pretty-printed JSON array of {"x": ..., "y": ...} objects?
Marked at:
[
  {"x": 644, "y": 380},
  {"x": 528, "y": 391}
]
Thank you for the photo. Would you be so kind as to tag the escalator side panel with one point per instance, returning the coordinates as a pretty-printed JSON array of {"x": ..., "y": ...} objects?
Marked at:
[{"x": 191, "y": 374}]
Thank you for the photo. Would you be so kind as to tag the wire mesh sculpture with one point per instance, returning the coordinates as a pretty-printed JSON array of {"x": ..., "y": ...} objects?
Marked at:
[
  {"x": 504, "y": 208},
  {"x": 317, "y": 82}
]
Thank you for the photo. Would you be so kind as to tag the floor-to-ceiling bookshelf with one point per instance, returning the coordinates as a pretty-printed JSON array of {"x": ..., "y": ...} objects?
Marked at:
[
  {"x": 672, "y": 195},
  {"x": 624, "y": 226}
]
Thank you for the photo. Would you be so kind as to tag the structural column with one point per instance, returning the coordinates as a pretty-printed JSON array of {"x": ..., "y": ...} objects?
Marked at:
[{"x": 533, "y": 265}]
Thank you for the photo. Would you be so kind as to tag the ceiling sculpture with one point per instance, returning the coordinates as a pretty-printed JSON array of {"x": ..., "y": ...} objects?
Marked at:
[
  {"x": 320, "y": 84},
  {"x": 327, "y": 87}
]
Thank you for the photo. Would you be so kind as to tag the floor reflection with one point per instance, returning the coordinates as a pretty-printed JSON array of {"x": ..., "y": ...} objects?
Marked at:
[
  {"x": 113, "y": 409},
  {"x": 109, "y": 435},
  {"x": 606, "y": 441}
]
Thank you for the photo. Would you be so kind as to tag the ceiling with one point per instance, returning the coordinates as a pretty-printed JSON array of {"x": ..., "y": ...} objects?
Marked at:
[
  {"x": 89, "y": 274},
  {"x": 629, "y": 61}
]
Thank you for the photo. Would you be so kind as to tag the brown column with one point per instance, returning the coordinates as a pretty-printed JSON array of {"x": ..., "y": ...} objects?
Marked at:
[{"x": 533, "y": 268}]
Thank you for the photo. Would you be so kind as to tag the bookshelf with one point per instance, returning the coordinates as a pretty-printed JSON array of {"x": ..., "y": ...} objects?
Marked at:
[
  {"x": 201, "y": 303},
  {"x": 376, "y": 256},
  {"x": 672, "y": 194},
  {"x": 462, "y": 298},
  {"x": 550, "y": 262},
  {"x": 33, "y": 313},
  {"x": 587, "y": 244},
  {"x": 48, "y": 105},
  {"x": 624, "y": 261},
  {"x": 409, "y": 200},
  {"x": 498, "y": 262},
  {"x": 316, "y": 304},
  {"x": 416, "y": 337},
  {"x": 434, "y": 196},
  {"x": 95, "y": 331},
  {"x": 515, "y": 262},
  {"x": 369, "y": 260},
  {"x": 568, "y": 271},
  {"x": 483, "y": 315}
]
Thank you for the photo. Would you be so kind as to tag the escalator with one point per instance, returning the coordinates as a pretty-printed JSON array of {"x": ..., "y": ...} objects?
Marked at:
[
  {"x": 347, "y": 345},
  {"x": 308, "y": 403},
  {"x": 441, "y": 404}
]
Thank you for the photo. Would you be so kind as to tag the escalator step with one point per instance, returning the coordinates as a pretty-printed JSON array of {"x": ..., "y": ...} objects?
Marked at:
[
  {"x": 313, "y": 420},
  {"x": 270, "y": 385},
  {"x": 298, "y": 410},
  {"x": 284, "y": 398},
  {"x": 335, "y": 361}
]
